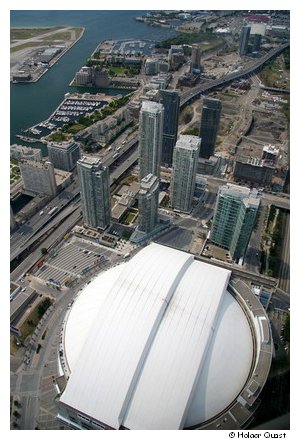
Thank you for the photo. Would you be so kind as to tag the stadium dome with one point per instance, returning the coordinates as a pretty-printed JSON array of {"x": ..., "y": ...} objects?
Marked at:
[{"x": 160, "y": 342}]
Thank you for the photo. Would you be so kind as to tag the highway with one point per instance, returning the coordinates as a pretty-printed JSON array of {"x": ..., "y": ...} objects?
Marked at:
[
  {"x": 284, "y": 270},
  {"x": 56, "y": 235},
  {"x": 23, "y": 236},
  {"x": 195, "y": 93}
]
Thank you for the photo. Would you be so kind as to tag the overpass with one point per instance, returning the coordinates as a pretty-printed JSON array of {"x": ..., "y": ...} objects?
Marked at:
[
  {"x": 276, "y": 90},
  {"x": 190, "y": 96},
  {"x": 240, "y": 272}
]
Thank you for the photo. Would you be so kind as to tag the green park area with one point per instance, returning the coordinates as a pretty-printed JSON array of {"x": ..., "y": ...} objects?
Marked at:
[
  {"x": 14, "y": 171},
  {"x": 129, "y": 218},
  {"x": 206, "y": 41},
  {"x": 33, "y": 318}
]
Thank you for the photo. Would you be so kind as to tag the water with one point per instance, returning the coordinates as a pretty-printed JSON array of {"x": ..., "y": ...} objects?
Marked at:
[{"x": 34, "y": 102}]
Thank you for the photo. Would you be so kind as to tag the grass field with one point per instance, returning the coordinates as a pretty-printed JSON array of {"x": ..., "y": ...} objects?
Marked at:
[
  {"x": 24, "y": 34},
  {"x": 129, "y": 218},
  {"x": 117, "y": 70},
  {"x": 25, "y": 46}
]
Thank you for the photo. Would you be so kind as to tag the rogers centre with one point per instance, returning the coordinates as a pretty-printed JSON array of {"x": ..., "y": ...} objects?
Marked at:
[{"x": 164, "y": 341}]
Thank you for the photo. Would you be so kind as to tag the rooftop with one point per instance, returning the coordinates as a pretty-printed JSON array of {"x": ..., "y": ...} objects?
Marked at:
[
  {"x": 152, "y": 107},
  {"x": 168, "y": 320}
]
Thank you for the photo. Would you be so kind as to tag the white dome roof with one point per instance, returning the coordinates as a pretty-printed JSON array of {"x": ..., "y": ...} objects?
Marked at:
[{"x": 156, "y": 343}]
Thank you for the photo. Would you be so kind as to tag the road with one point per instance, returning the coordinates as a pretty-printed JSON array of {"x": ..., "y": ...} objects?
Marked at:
[
  {"x": 26, "y": 382},
  {"x": 22, "y": 237},
  {"x": 59, "y": 232},
  {"x": 284, "y": 270},
  {"x": 196, "y": 92}
]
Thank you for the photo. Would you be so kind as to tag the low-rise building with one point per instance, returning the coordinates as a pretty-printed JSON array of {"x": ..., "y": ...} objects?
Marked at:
[
  {"x": 21, "y": 152},
  {"x": 49, "y": 53},
  {"x": 107, "y": 129},
  {"x": 254, "y": 170}
]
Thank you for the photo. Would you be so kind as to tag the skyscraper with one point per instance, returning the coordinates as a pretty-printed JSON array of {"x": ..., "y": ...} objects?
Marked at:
[
  {"x": 209, "y": 126},
  {"x": 256, "y": 43},
  {"x": 170, "y": 101},
  {"x": 148, "y": 203},
  {"x": 94, "y": 191},
  {"x": 150, "y": 142},
  {"x": 185, "y": 159},
  {"x": 64, "y": 155},
  {"x": 244, "y": 39},
  {"x": 196, "y": 57},
  {"x": 234, "y": 218}
]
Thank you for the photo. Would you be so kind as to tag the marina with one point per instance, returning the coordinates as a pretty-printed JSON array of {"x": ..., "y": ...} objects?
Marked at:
[{"x": 72, "y": 107}]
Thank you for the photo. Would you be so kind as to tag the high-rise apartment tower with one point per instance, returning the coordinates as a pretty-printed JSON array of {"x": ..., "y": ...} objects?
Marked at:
[
  {"x": 209, "y": 126},
  {"x": 148, "y": 203},
  {"x": 170, "y": 101},
  {"x": 94, "y": 191},
  {"x": 244, "y": 40},
  {"x": 234, "y": 218},
  {"x": 150, "y": 142},
  {"x": 185, "y": 160}
]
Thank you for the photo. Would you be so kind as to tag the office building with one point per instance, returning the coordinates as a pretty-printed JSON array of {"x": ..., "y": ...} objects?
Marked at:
[
  {"x": 256, "y": 43},
  {"x": 64, "y": 155},
  {"x": 95, "y": 192},
  {"x": 185, "y": 160},
  {"x": 38, "y": 176},
  {"x": 150, "y": 138},
  {"x": 196, "y": 58},
  {"x": 244, "y": 40},
  {"x": 170, "y": 101},
  {"x": 148, "y": 203},
  {"x": 209, "y": 126},
  {"x": 163, "y": 342},
  {"x": 151, "y": 66},
  {"x": 234, "y": 218}
]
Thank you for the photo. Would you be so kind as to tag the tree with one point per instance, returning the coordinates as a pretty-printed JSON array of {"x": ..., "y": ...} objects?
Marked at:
[{"x": 44, "y": 251}]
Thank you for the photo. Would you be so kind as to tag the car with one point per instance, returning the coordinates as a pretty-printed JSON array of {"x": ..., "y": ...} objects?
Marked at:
[{"x": 23, "y": 290}]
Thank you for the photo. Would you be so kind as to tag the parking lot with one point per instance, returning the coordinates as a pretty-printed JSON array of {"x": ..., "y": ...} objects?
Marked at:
[{"x": 73, "y": 260}]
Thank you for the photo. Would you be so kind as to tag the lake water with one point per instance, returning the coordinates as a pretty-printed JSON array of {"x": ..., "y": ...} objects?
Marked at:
[{"x": 34, "y": 102}]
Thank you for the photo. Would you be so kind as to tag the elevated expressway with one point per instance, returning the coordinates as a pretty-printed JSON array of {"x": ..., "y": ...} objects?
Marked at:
[{"x": 196, "y": 92}]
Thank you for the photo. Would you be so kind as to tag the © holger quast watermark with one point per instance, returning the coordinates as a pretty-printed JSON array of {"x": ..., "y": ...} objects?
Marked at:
[{"x": 261, "y": 435}]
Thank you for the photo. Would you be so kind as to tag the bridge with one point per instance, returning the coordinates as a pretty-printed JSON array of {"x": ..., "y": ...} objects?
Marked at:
[
  {"x": 276, "y": 90},
  {"x": 190, "y": 96}
]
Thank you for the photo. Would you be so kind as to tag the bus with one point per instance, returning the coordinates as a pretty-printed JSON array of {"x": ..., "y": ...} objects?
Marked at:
[{"x": 53, "y": 210}]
